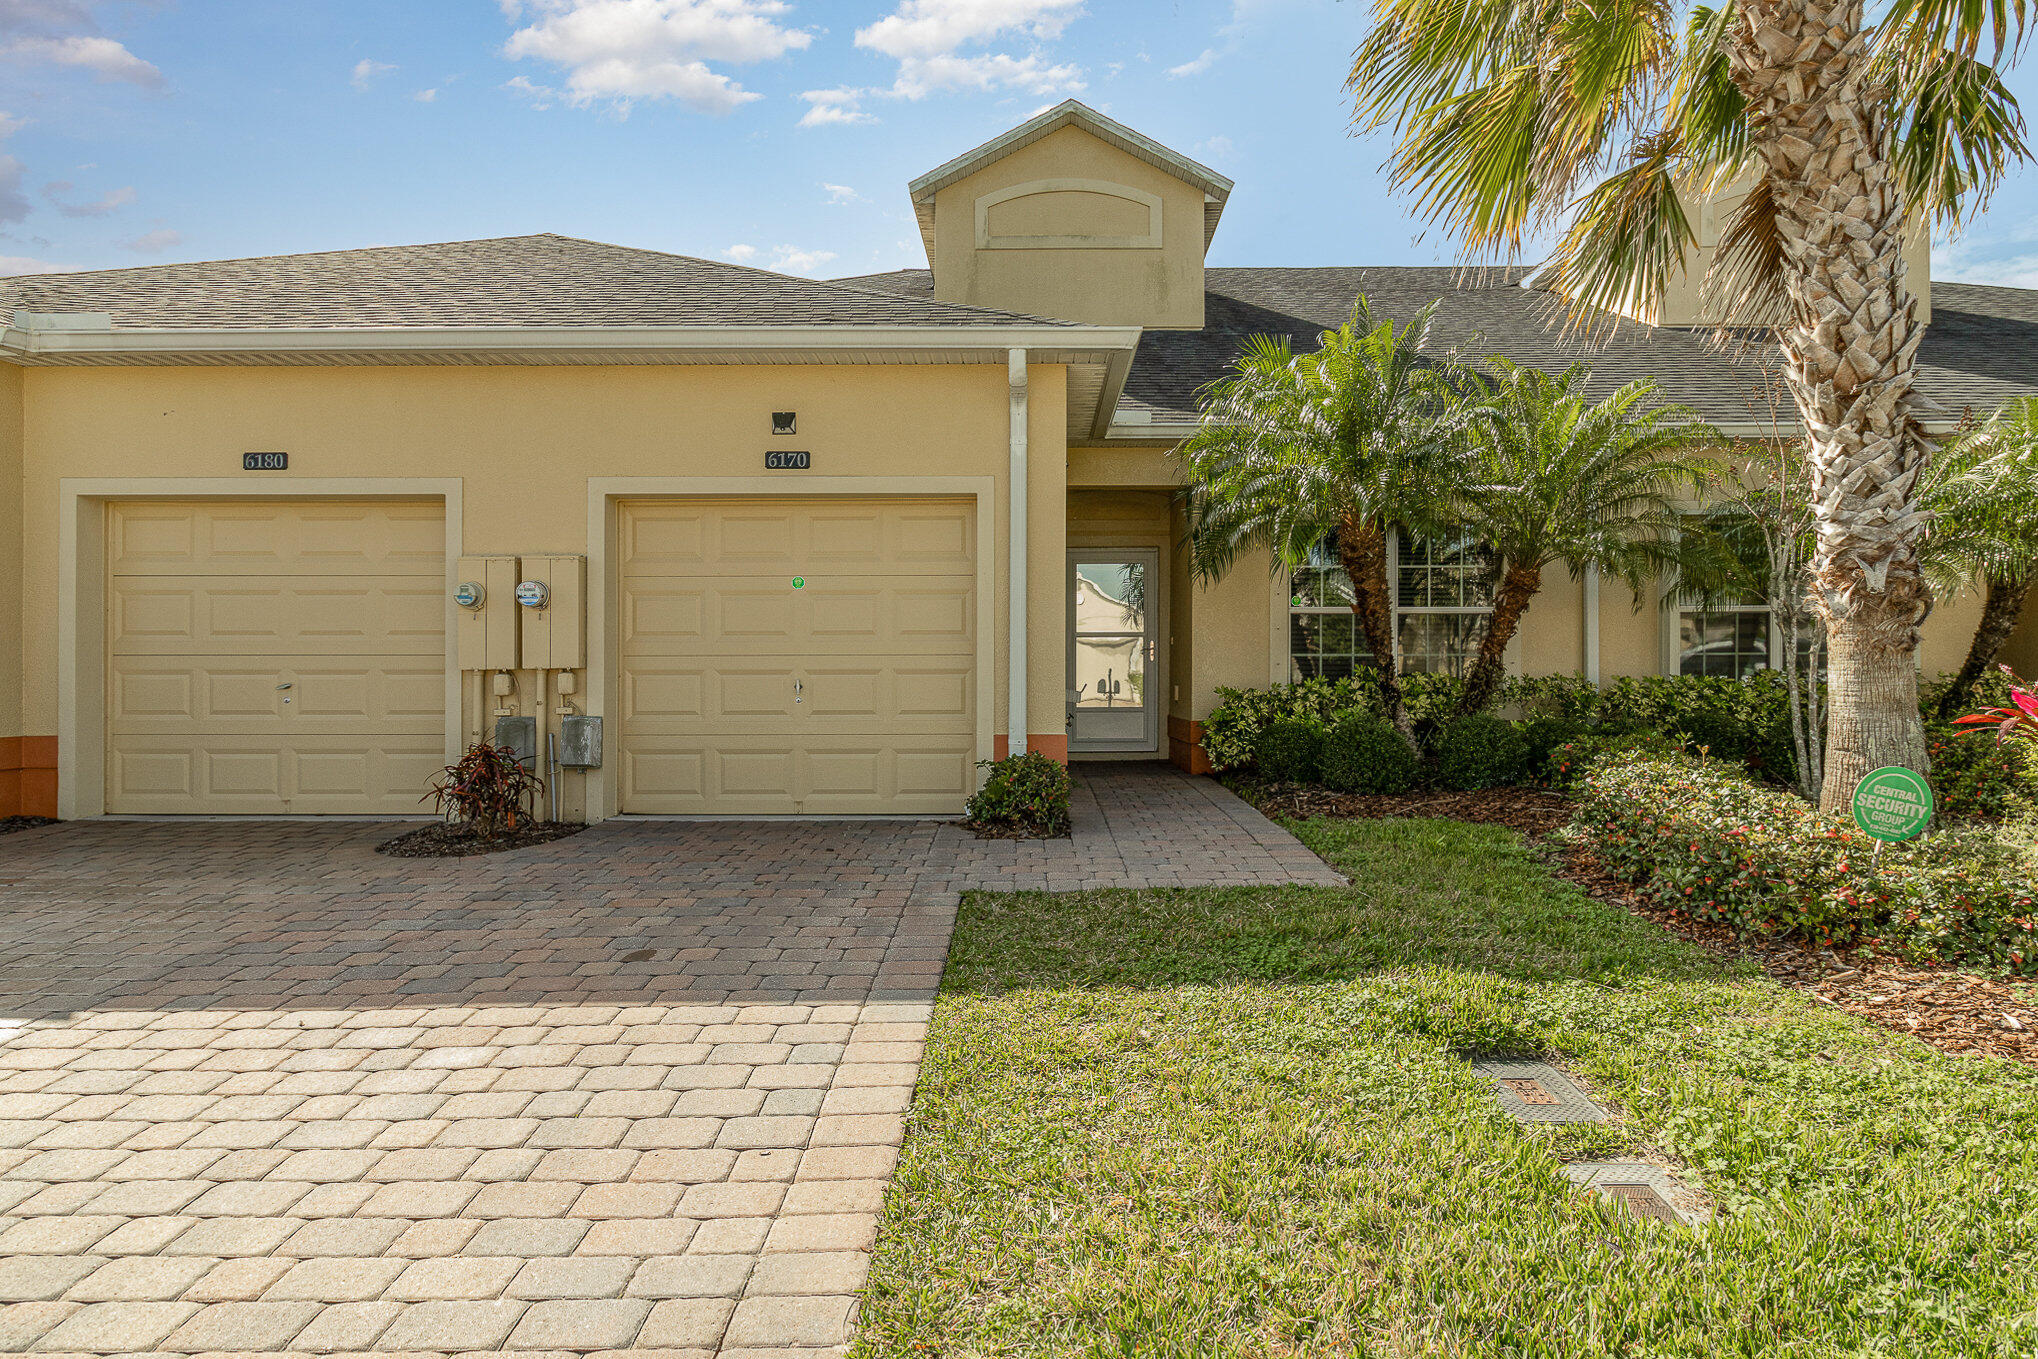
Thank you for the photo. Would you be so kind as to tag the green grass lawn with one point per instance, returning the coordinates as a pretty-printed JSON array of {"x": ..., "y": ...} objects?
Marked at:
[{"x": 1231, "y": 1122}]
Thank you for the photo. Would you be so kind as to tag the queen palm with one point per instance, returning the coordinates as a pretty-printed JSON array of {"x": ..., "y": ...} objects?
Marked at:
[
  {"x": 1983, "y": 496},
  {"x": 1605, "y": 120},
  {"x": 1555, "y": 478},
  {"x": 1338, "y": 446}
]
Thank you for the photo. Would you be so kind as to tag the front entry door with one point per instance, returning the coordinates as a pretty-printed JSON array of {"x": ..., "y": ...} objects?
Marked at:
[{"x": 1113, "y": 672}]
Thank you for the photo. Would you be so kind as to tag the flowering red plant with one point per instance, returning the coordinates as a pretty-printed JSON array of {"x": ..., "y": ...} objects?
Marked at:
[{"x": 2019, "y": 718}]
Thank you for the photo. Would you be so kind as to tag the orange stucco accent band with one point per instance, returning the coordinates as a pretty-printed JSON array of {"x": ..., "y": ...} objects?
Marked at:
[
  {"x": 1056, "y": 746},
  {"x": 28, "y": 776},
  {"x": 1185, "y": 745}
]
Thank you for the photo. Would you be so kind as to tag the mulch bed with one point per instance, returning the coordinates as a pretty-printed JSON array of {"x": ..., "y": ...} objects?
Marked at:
[
  {"x": 450, "y": 840},
  {"x": 1955, "y": 1011},
  {"x": 1532, "y": 811},
  {"x": 21, "y": 823}
]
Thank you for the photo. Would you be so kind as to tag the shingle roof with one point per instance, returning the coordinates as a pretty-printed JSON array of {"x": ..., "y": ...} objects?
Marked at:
[
  {"x": 1980, "y": 349},
  {"x": 505, "y": 281}
]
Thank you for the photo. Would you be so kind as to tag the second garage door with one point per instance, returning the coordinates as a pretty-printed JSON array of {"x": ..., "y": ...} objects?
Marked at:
[{"x": 798, "y": 655}]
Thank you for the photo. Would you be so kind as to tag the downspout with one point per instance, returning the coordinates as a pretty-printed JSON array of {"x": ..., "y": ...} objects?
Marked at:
[
  {"x": 1592, "y": 624},
  {"x": 1015, "y": 684}
]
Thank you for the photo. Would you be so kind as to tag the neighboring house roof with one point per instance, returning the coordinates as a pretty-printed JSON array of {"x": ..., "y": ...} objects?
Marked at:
[
  {"x": 507, "y": 281},
  {"x": 1071, "y": 113},
  {"x": 1980, "y": 349}
]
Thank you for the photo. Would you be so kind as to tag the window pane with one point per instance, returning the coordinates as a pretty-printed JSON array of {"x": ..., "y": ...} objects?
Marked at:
[
  {"x": 1110, "y": 597},
  {"x": 1448, "y": 573},
  {"x": 1110, "y": 673},
  {"x": 1321, "y": 587},
  {"x": 1325, "y": 646},
  {"x": 1440, "y": 643},
  {"x": 1726, "y": 643}
]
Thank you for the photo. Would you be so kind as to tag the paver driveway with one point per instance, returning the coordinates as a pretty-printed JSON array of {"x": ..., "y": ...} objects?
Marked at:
[{"x": 263, "y": 1089}]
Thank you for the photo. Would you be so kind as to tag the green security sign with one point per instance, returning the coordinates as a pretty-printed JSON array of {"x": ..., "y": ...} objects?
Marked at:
[{"x": 1893, "y": 803}]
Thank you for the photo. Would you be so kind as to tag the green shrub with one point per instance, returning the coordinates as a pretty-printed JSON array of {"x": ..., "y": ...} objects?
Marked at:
[
  {"x": 1290, "y": 750},
  {"x": 1028, "y": 794},
  {"x": 1480, "y": 751},
  {"x": 1708, "y": 839},
  {"x": 1231, "y": 733},
  {"x": 1974, "y": 775},
  {"x": 1569, "y": 762},
  {"x": 1542, "y": 735},
  {"x": 1364, "y": 754}
]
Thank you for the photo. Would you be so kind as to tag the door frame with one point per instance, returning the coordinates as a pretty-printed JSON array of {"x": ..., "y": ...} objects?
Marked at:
[
  {"x": 82, "y": 600},
  {"x": 1156, "y": 635}
]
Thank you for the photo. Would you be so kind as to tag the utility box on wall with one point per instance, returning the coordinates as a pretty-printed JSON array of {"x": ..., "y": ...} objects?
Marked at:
[
  {"x": 553, "y": 634},
  {"x": 488, "y": 628}
]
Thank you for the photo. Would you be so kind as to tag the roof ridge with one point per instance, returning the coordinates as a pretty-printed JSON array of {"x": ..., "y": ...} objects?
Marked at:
[{"x": 290, "y": 255}]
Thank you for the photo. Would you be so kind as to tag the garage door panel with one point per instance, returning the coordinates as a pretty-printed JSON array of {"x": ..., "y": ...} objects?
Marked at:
[
  {"x": 271, "y": 538},
  {"x": 813, "y": 536},
  {"x": 880, "y": 635},
  {"x": 708, "y": 616},
  {"x": 270, "y": 657},
  {"x": 220, "y": 615}
]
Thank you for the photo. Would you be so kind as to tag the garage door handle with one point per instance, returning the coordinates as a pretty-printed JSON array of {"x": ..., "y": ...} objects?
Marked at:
[
  {"x": 798, "y": 689},
  {"x": 282, "y": 687}
]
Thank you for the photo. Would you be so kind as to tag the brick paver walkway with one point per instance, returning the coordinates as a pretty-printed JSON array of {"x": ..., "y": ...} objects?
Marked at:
[{"x": 262, "y": 1089}]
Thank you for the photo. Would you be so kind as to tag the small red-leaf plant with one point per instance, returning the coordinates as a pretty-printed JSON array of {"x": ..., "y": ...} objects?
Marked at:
[
  {"x": 486, "y": 791},
  {"x": 2017, "y": 718}
]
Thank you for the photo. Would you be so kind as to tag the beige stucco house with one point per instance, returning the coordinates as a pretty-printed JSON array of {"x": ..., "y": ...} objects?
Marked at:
[{"x": 285, "y": 534}]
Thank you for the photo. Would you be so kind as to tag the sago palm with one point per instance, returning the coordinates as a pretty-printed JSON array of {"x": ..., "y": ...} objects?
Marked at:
[
  {"x": 1555, "y": 478},
  {"x": 1983, "y": 495},
  {"x": 1609, "y": 120},
  {"x": 1341, "y": 446}
]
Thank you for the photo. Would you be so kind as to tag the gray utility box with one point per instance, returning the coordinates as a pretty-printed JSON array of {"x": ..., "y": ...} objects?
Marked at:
[
  {"x": 520, "y": 736},
  {"x": 580, "y": 742}
]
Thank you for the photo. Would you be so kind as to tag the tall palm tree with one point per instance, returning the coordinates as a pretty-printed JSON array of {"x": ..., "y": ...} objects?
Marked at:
[
  {"x": 1514, "y": 115},
  {"x": 1556, "y": 478},
  {"x": 1983, "y": 495},
  {"x": 1337, "y": 446}
]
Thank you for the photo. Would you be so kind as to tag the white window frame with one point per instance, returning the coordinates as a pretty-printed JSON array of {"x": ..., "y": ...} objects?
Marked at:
[
  {"x": 1672, "y": 608},
  {"x": 1284, "y": 652}
]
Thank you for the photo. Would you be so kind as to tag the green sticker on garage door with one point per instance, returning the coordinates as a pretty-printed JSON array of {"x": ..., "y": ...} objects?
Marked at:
[
  {"x": 1893, "y": 803},
  {"x": 799, "y": 582}
]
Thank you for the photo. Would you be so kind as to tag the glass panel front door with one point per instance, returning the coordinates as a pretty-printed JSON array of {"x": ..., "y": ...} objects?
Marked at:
[{"x": 1112, "y": 703}]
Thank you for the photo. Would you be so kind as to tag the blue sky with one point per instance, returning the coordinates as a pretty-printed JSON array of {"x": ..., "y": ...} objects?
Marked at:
[{"x": 777, "y": 132}]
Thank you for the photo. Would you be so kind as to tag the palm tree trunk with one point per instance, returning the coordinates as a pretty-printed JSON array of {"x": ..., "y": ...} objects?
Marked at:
[
  {"x": 1849, "y": 338},
  {"x": 2001, "y": 610},
  {"x": 1517, "y": 587},
  {"x": 1362, "y": 551}
]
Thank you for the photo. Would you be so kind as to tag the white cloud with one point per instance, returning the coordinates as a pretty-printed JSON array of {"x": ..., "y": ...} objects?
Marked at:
[
  {"x": 1992, "y": 257},
  {"x": 788, "y": 259},
  {"x": 927, "y": 38},
  {"x": 621, "y": 50},
  {"x": 154, "y": 242},
  {"x": 12, "y": 266},
  {"x": 366, "y": 70},
  {"x": 103, "y": 57},
  {"x": 1216, "y": 148},
  {"x": 841, "y": 193},
  {"x": 540, "y": 96},
  {"x": 1228, "y": 38},
  {"x": 426, "y": 96},
  {"x": 784, "y": 259},
  {"x": 834, "y": 106},
  {"x": 58, "y": 192}
]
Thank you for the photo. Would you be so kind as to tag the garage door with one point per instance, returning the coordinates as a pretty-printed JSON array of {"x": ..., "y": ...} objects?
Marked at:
[
  {"x": 810, "y": 656},
  {"x": 272, "y": 657}
]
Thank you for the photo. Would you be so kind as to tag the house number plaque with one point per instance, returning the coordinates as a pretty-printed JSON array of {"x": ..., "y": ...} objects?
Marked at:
[
  {"x": 264, "y": 462},
  {"x": 776, "y": 461}
]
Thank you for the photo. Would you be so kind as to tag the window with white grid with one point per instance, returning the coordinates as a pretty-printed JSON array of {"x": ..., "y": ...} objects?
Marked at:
[{"x": 1442, "y": 595}]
